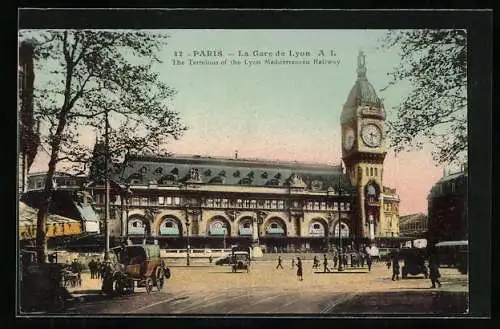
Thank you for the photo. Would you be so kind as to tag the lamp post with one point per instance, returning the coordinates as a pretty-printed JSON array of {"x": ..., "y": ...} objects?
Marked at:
[
  {"x": 188, "y": 223},
  {"x": 341, "y": 258},
  {"x": 128, "y": 193},
  {"x": 188, "y": 247},
  {"x": 106, "y": 181},
  {"x": 225, "y": 230}
]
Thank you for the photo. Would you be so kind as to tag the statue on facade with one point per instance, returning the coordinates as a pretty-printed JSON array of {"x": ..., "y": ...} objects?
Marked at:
[{"x": 296, "y": 181}]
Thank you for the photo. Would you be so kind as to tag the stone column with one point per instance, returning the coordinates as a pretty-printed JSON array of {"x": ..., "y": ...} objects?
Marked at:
[{"x": 255, "y": 231}]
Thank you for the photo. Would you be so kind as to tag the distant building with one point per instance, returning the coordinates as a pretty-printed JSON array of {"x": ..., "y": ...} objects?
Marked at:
[
  {"x": 62, "y": 181},
  {"x": 414, "y": 225},
  {"x": 177, "y": 201},
  {"x": 28, "y": 129},
  {"x": 73, "y": 208},
  {"x": 447, "y": 208}
]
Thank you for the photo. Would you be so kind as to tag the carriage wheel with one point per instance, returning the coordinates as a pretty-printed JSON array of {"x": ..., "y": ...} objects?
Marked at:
[
  {"x": 119, "y": 287},
  {"x": 131, "y": 285},
  {"x": 149, "y": 285},
  {"x": 160, "y": 278}
]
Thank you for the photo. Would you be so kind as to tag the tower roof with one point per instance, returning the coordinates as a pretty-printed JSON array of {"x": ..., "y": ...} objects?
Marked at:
[{"x": 362, "y": 93}]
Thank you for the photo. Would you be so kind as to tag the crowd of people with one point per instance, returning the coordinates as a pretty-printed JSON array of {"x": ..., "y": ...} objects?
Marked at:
[{"x": 358, "y": 259}]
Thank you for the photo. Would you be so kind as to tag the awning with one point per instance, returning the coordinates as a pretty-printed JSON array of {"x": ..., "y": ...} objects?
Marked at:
[
  {"x": 275, "y": 230},
  {"x": 169, "y": 231},
  {"x": 136, "y": 230},
  {"x": 56, "y": 225},
  {"x": 245, "y": 231},
  {"x": 217, "y": 231}
]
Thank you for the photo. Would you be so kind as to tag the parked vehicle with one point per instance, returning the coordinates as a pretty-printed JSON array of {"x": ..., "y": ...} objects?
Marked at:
[
  {"x": 453, "y": 254},
  {"x": 135, "y": 265},
  {"x": 414, "y": 262},
  {"x": 240, "y": 260},
  {"x": 226, "y": 260}
]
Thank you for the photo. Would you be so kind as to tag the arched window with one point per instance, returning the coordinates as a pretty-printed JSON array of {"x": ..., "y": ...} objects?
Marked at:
[
  {"x": 246, "y": 225},
  {"x": 274, "y": 225},
  {"x": 371, "y": 171},
  {"x": 316, "y": 226},
  {"x": 367, "y": 173},
  {"x": 376, "y": 174},
  {"x": 371, "y": 190},
  {"x": 169, "y": 224}
]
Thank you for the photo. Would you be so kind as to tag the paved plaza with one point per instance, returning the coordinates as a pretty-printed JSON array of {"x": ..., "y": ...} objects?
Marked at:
[{"x": 212, "y": 289}]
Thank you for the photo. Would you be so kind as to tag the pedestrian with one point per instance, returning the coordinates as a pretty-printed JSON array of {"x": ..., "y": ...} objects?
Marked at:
[
  {"x": 315, "y": 262},
  {"x": 345, "y": 260},
  {"x": 293, "y": 263},
  {"x": 279, "y": 263},
  {"x": 395, "y": 268},
  {"x": 434, "y": 274},
  {"x": 299, "y": 269},
  {"x": 103, "y": 268},
  {"x": 325, "y": 264},
  {"x": 92, "y": 269},
  {"x": 369, "y": 262},
  {"x": 362, "y": 258},
  {"x": 335, "y": 259},
  {"x": 210, "y": 259},
  {"x": 352, "y": 259}
]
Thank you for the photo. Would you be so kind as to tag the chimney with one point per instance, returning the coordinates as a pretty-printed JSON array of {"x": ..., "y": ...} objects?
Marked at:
[{"x": 236, "y": 154}]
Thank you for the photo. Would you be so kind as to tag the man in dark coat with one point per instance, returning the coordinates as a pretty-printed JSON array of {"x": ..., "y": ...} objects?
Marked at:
[
  {"x": 325, "y": 264},
  {"x": 335, "y": 259},
  {"x": 92, "y": 269},
  {"x": 299, "y": 269},
  {"x": 279, "y": 263},
  {"x": 434, "y": 274},
  {"x": 369, "y": 262},
  {"x": 395, "y": 267},
  {"x": 315, "y": 262}
]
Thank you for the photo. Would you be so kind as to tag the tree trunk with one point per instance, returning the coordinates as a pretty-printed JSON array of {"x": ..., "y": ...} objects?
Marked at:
[{"x": 41, "y": 223}]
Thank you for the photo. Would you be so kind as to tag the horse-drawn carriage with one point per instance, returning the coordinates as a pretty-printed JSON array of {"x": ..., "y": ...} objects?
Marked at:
[
  {"x": 135, "y": 265},
  {"x": 240, "y": 260}
]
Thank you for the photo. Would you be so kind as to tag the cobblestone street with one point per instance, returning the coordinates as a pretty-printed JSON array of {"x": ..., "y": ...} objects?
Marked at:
[{"x": 215, "y": 290}]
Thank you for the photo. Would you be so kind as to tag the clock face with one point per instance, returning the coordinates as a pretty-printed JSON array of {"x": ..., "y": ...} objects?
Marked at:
[
  {"x": 371, "y": 135},
  {"x": 349, "y": 137}
]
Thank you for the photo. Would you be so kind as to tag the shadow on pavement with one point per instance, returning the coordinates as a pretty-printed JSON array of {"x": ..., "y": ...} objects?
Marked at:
[
  {"x": 342, "y": 272},
  {"x": 426, "y": 302}
]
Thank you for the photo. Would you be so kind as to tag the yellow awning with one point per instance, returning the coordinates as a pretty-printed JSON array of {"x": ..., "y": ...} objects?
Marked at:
[{"x": 56, "y": 225}]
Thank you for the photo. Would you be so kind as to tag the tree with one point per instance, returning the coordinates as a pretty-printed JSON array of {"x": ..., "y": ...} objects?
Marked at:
[
  {"x": 87, "y": 74},
  {"x": 434, "y": 62}
]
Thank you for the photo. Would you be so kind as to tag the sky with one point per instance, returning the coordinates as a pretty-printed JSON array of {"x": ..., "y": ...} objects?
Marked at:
[{"x": 287, "y": 112}]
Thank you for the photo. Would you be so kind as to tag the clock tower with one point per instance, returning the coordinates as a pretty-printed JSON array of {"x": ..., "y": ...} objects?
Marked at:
[{"x": 363, "y": 151}]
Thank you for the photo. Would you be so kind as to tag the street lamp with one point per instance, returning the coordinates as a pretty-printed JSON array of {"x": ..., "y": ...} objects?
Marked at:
[
  {"x": 340, "y": 220},
  {"x": 106, "y": 180},
  {"x": 225, "y": 230},
  {"x": 187, "y": 249},
  {"x": 188, "y": 223}
]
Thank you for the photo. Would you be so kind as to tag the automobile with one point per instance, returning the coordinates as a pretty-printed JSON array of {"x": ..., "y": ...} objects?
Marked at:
[
  {"x": 240, "y": 260},
  {"x": 225, "y": 260},
  {"x": 453, "y": 254},
  {"x": 414, "y": 262},
  {"x": 135, "y": 265}
]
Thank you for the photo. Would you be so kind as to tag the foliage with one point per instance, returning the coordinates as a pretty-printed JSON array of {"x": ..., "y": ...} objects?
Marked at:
[
  {"x": 86, "y": 74},
  {"x": 434, "y": 62}
]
